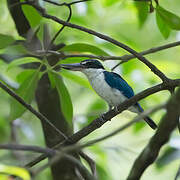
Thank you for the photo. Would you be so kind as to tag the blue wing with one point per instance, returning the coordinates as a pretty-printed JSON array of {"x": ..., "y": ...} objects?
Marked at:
[{"x": 116, "y": 81}]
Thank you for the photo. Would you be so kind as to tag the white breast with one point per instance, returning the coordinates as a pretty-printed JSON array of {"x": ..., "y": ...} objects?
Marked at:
[{"x": 112, "y": 96}]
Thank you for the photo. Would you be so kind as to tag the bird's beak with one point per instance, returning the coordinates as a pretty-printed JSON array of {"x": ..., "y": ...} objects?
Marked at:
[{"x": 73, "y": 67}]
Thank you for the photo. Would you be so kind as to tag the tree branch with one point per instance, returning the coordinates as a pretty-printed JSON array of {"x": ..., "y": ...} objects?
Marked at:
[
  {"x": 121, "y": 128},
  {"x": 90, "y": 161},
  {"x": 153, "y": 68},
  {"x": 128, "y": 57},
  {"x": 78, "y": 147},
  {"x": 61, "y": 29},
  {"x": 125, "y": 57},
  {"x": 97, "y": 123},
  {"x": 64, "y": 3},
  {"x": 20, "y": 147},
  {"x": 168, "y": 123}
]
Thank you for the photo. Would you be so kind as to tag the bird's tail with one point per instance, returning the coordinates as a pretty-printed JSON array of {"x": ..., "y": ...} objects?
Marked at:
[{"x": 150, "y": 122}]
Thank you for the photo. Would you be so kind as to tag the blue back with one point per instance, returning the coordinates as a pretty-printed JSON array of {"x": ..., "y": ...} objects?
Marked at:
[{"x": 116, "y": 81}]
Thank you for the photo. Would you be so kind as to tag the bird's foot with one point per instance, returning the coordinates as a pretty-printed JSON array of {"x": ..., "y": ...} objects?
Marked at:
[
  {"x": 116, "y": 109},
  {"x": 101, "y": 120}
]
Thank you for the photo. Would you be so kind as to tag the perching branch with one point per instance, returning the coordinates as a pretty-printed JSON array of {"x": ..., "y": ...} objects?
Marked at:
[
  {"x": 121, "y": 128},
  {"x": 30, "y": 108},
  {"x": 97, "y": 123},
  {"x": 168, "y": 123},
  {"x": 100, "y": 121}
]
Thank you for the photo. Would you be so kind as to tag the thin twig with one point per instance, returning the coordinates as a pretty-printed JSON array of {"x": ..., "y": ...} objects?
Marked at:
[
  {"x": 60, "y": 30},
  {"x": 30, "y": 108},
  {"x": 90, "y": 161},
  {"x": 64, "y": 3},
  {"x": 20, "y": 147},
  {"x": 153, "y": 68},
  {"x": 123, "y": 58},
  {"x": 127, "y": 57}
]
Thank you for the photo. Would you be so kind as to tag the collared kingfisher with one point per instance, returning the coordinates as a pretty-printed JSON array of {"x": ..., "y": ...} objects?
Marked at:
[{"x": 108, "y": 85}]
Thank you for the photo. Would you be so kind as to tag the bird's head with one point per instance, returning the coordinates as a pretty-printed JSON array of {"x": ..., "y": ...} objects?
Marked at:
[{"x": 85, "y": 65}]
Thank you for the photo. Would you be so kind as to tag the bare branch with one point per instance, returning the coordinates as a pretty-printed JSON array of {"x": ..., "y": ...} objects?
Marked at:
[
  {"x": 61, "y": 29},
  {"x": 168, "y": 123},
  {"x": 20, "y": 147},
  {"x": 118, "y": 130},
  {"x": 97, "y": 123},
  {"x": 30, "y": 108},
  {"x": 151, "y": 66},
  {"x": 64, "y": 3},
  {"x": 125, "y": 57},
  {"x": 90, "y": 161},
  {"x": 78, "y": 147},
  {"x": 128, "y": 57}
]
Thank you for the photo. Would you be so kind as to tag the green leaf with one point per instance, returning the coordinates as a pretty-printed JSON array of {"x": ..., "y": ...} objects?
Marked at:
[
  {"x": 138, "y": 127},
  {"x": 163, "y": 27},
  {"x": 16, "y": 50},
  {"x": 26, "y": 92},
  {"x": 83, "y": 47},
  {"x": 143, "y": 11},
  {"x": 52, "y": 80},
  {"x": 109, "y": 2},
  {"x": 72, "y": 60},
  {"x": 32, "y": 15},
  {"x": 172, "y": 20},
  {"x": 16, "y": 171},
  {"x": 4, "y": 177},
  {"x": 102, "y": 172},
  {"x": 22, "y": 76},
  {"x": 75, "y": 78},
  {"x": 5, "y": 40},
  {"x": 65, "y": 99},
  {"x": 21, "y": 61}
]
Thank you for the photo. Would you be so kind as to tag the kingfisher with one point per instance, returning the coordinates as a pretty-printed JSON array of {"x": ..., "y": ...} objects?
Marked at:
[{"x": 109, "y": 86}]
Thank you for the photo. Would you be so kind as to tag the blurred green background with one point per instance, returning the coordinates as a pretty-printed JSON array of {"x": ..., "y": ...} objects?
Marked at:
[{"x": 118, "y": 19}]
